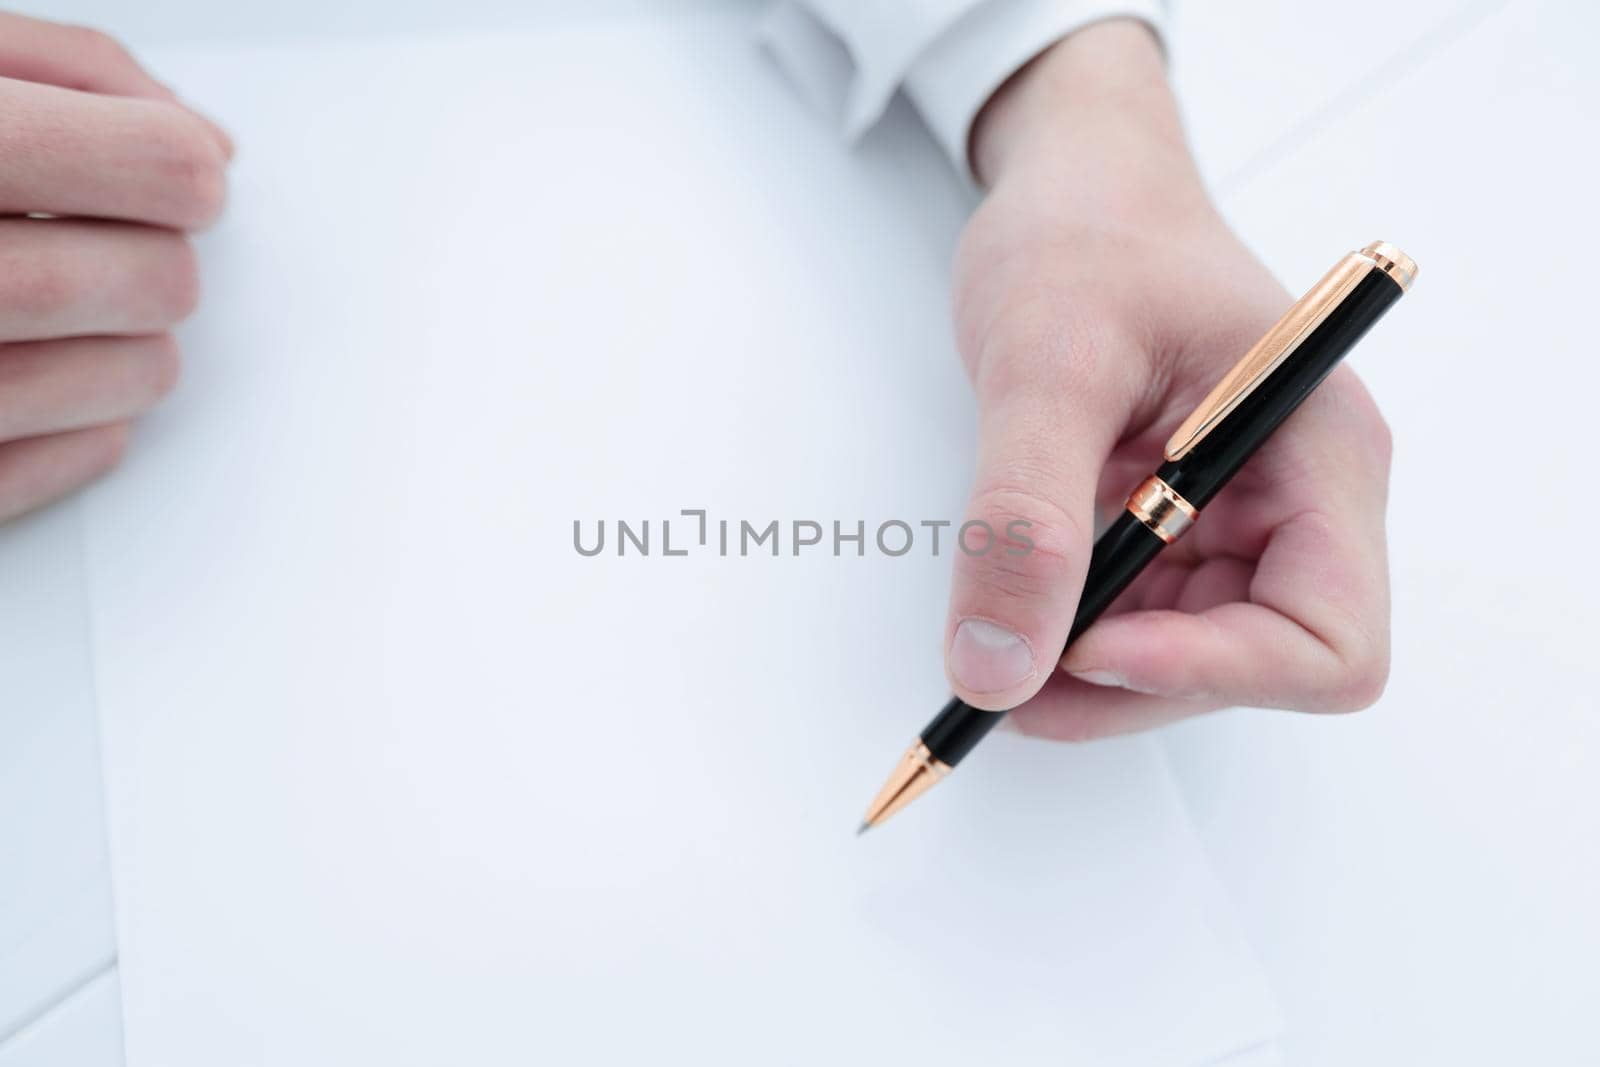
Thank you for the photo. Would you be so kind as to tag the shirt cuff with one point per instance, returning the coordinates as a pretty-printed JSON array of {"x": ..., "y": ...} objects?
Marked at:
[
  {"x": 877, "y": 41},
  {"x": 956, "y": 75},
  {"x": 949, "y": 56}
]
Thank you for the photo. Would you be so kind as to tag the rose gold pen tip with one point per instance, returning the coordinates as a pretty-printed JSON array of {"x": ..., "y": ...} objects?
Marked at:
[{"x": 914, "y": 775}]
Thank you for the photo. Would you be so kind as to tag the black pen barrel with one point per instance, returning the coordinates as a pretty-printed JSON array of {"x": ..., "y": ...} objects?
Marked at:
[
  {"x": 1119, "y": 555},
  {"x": 1201, "y": 474}
]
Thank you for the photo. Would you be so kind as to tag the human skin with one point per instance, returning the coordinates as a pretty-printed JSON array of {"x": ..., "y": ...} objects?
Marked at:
[
  {"x": 89, "y": 296},
  {"x": 1098, "y": 296}
]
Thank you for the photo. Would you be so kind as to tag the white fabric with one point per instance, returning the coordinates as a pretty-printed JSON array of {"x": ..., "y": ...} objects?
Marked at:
[{"x": 849, "y": 57}]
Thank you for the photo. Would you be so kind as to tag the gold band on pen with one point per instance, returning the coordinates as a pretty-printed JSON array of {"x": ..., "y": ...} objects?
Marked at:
[
  {"x": 1393, "y": 262},
  {"x": 1162, "y": 509}
]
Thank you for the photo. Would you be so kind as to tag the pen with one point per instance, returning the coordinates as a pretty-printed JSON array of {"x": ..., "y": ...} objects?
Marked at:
[{"x": 1207, "y": 449}]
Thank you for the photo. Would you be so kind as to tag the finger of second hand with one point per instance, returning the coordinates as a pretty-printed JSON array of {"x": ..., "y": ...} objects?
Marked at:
[
  {"x": 74, "y": 57},
  {"x": 78, "y": 57},
  {"x": 80, "y": 154},
  {"x": 51, "y": 386},
  {"x": 38, "y": 470},
  {"x": 74, "y": 277}
]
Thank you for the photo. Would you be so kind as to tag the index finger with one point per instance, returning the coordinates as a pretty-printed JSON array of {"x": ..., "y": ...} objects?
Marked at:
[{"x": 77, "y": 153}]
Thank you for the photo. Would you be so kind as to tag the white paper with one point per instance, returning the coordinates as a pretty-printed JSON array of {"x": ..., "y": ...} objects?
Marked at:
[
  {"x": 55, "y": 880},
  {"x": 82, "y": 1030},
  {"x": 398, "y": 777}
]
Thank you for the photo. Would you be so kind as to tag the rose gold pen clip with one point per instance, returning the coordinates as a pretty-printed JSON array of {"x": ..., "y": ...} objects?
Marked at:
[{"x": 1279, "y": 344}]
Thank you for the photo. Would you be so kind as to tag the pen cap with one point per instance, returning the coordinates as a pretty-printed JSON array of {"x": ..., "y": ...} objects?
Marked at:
[{"x": 1277, "y": 375}]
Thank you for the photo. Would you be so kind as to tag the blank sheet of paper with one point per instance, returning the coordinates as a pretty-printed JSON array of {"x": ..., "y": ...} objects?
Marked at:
[
  {"x": 398, "y": 776},
  {"x": 55, "y": 883}
]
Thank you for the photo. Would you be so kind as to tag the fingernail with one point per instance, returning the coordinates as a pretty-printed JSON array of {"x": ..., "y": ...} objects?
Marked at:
[
  {"x": 1096, "y": 676},
  {"x": 986, "y": 658}
]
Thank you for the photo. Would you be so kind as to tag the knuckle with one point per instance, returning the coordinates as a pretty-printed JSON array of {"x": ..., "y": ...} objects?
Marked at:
[
  {"x": 1360, "y": 680},
  {"x": 158, "y": 370},
  {"x": 101, "y": 47},
  {"x": 191, "y": 170},
  {"x": 1027, "y": 543},
  {"x": 1382, "y": 439},
  {"x": 110, "y": 445},
  {"x": 176, "y": 281},
  {"x": 1361, "y": 412}
]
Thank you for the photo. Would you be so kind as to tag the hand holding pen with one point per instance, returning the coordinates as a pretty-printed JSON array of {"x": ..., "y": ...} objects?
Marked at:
[{"x": 1099, "y": 299}]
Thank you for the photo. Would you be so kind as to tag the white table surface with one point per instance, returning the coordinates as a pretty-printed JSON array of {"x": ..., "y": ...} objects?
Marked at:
[
  {"x": 55, "y": 889},
  {"x": 1417, "y": 879}
]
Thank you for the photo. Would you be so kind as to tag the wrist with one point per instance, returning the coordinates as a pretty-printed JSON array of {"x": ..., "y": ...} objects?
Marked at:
[{"x": 1092, "y": 112}]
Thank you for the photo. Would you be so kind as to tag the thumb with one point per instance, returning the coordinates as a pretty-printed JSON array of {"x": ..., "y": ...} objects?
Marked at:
[{"x": 1049, "y": 416}]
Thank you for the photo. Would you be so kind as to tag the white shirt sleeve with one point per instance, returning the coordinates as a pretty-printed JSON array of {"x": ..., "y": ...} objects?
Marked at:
[{"x": 850, "y": 57}]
